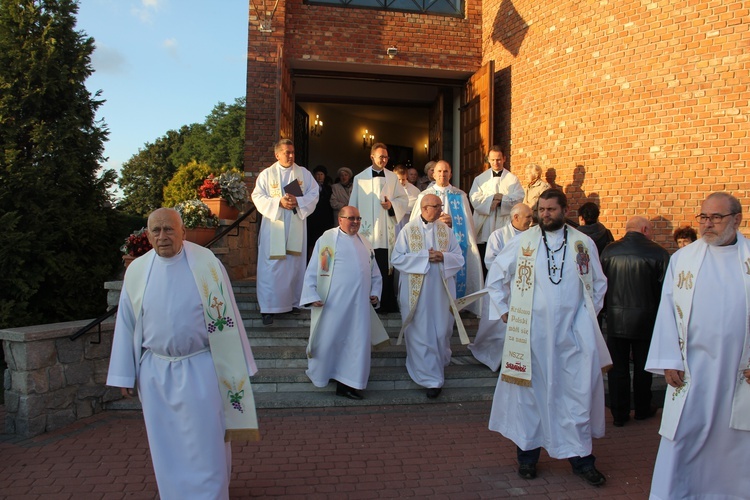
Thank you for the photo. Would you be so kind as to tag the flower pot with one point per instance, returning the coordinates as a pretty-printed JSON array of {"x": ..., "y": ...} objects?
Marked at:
[
  {"x": 221, "y": 208},
  {"x": 127, "y": 259},
  {"x": 200, "y": 235}
]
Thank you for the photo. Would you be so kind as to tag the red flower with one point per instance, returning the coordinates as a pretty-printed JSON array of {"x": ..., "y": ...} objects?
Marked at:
[{"x": 210, "y": 188}]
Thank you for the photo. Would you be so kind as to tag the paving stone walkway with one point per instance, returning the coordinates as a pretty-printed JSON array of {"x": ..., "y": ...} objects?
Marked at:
[{"x": 418, "y": 451}]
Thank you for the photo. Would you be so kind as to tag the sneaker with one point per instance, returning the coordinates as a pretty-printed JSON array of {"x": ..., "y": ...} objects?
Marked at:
[
  {"x": 527, "y": 471},
  {"x": 267, "y": 319},
  {"x": 592, "y": 476}
]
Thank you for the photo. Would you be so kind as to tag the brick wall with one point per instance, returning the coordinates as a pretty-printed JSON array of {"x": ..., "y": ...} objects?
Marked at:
[{"x": 641, "y": 105}]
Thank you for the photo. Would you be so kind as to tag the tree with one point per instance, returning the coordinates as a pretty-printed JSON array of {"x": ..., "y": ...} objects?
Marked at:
[
  {"x": 185, "y": 183},
  {"x": 56, "y": 249},
  {"x": 218, "y": 142}
]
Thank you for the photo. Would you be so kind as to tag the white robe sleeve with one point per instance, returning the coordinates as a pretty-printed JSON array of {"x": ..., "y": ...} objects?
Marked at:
[
  {"x": 481, "y": 199},
  {"x": 494, "y": 246},
  {"x": 664, "y": 353},
  {"x": 122, "y": 362},
  {"x": 499, "y": 277},
  {"x": 513, "y": 194},
  {"x": 309, "y": 199},
  {"x": 406, "y": 261},
  {"x": 310, "y": 284}
]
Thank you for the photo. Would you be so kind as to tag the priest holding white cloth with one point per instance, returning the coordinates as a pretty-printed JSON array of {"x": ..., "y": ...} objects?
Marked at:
[
  {"x": 428, "y": 257},
  {"x": 548, "y": 286},
  {"x": 342, "y": 283},
  {"x": 282, "y": 242},
  {"x": 179, "y": 339},
  {"x": 701, "y": 345}
]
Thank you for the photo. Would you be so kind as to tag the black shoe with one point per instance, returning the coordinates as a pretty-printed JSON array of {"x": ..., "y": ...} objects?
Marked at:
[
  {"x": 651, "y": 413},
  {"x": 347, "y": 392},
  {"x": 295, "y": 311},
  {"x": 267, "y": 319},
  {"x": 619, "y": 422},
  {"x": 434, "y": 392},
  {"x": 527, "y": 471},
  {"x": 592, "y": 476}
]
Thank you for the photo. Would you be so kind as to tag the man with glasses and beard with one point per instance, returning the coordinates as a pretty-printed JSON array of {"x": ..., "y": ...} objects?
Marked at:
[
  {"x": 547, "y": 286},
  {"x": 701, "y": 345}
]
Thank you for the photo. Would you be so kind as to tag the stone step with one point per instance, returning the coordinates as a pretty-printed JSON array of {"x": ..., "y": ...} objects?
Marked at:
[{"x": 298, "y": 336}]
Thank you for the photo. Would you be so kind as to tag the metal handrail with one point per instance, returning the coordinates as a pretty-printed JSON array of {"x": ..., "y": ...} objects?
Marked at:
[{"x": 98, "y": 321}]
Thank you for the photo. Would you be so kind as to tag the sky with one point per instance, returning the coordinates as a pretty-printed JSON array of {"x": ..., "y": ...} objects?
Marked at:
[{"x": 161, "y": 64}]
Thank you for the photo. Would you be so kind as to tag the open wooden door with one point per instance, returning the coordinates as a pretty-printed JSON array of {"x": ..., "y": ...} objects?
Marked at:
[
  {"x": 476, "y": 123},
  {"x": 435, "y": 148},
  {"x": 285, "y": 106}
]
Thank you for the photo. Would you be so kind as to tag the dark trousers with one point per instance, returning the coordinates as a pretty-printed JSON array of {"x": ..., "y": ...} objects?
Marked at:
[
  {"x": 619, "y": 377},
  {"x": 482, "y": 247},
  {"x": 388, "y": 301},
  {"x": 526, "y": 457}
]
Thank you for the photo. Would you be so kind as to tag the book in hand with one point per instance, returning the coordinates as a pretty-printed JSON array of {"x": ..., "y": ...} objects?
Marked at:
[{"x": 294, "y": 189}]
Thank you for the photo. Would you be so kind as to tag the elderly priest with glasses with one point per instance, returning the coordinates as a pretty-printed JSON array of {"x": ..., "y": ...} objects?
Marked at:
[
  {"x": 342, "y": 284},
  {"x": 701, "y": 345}
]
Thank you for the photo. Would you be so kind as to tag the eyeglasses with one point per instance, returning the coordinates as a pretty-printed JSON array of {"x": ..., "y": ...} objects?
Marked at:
[
  {"x": 381, "y": 157},
  {"x": 714, "y": 218},
  {"x": 351, "y": 218},
  {"x": 433, "y": 206}
]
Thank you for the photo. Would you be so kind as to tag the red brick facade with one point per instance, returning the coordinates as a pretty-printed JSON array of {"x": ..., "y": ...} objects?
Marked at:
[{"x": 642, "y": 106}]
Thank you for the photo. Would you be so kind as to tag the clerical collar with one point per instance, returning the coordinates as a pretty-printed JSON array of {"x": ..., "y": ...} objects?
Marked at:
[
  {"x": 378, "y": 173},
  {"x": 424, "y": 221},
  {"x": 171, "y": 260},
  {"x": 497, "y": 173}
]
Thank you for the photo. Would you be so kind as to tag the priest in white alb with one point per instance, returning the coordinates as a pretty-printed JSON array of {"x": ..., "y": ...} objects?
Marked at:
[
  {"x": 342, "y": 284},
  {"x": 701, "y": 344},
  {"x": 382, "y": 202},
  {"x": 457, "y": 215},
  {"x": 487, "y": 346},
  {"x": 547, "y": 286},
  {"x": 180, "y": 342},
  {"x": 285, "y": 194},
  {"x": 493, "y": 193},
  {"x": 428, "y": 258}
]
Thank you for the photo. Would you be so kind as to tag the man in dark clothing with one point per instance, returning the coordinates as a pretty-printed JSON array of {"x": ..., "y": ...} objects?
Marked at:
[
  {"x": 588, "y": 216},
  {"x": 635, "y": 268}
]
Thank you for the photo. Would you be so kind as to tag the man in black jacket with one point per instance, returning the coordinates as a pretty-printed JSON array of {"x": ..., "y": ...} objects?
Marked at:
[{"x": 635, "y": 268}]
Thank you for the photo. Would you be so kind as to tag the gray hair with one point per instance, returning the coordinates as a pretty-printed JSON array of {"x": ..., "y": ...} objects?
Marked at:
[
  {"x": 536, "y": 168},
  {"x": 734, "y": 204}
]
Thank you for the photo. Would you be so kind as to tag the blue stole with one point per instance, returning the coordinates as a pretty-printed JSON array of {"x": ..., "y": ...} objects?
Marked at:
[{"x": 460, "y": 232}]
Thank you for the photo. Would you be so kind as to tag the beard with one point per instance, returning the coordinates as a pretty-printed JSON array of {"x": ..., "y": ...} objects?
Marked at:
[
  {"x": 725, "y": 237},
  {"x": 553, "y": 224}
]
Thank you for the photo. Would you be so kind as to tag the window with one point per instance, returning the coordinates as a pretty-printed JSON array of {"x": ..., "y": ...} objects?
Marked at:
[{"x": 443, "y": 7}]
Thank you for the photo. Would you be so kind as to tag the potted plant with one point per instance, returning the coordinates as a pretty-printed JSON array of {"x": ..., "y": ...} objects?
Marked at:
[
  {"x": 200, "y": 223},
  {"x": 135, "y": 245},
  {"x": 225, "y": 195}
]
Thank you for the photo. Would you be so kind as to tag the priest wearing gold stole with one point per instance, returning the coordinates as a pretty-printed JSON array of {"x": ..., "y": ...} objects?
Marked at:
[
  {"x": 701, "y": 344},
  {"x": 282, "y": 242},
  {"x": 342, "y": 284},
  {"x": 179, "y": 339},
  {"x": 547, "y": 285},
  {"x": 428, "y": 258}
]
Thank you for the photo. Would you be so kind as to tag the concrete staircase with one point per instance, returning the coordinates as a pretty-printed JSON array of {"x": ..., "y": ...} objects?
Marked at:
[{"x": 281, "y": 382}]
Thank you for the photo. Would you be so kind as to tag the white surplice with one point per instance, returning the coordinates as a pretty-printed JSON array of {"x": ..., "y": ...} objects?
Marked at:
[
  {"x": 367, "y": 194},
  {"x": 489, "y": 340},
  {"x": 707, "y": 459},
  {"x": 428, "y": 335},
  {"x": 483, "y": 189},
  {"x": 279, "y": 282},
  {"x": 342, "y": 344},
  {"x": 564, "y": 407},
  {"x": 182, "y": 406},
  {"x": 473, "y": 262}
]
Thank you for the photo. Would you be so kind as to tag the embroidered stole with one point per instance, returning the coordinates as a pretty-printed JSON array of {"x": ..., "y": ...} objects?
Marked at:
[
  {"x": 280, "y": 244},
  {"x": 516, "y": 362},
  {"x": 460, "y": 231},
  {"x": 416, "y": 281},
  {"x": 369, "y": 208},
  {"x": 326, "y": 259},
  {"x": 221, "y": 321},
  {"x": 687, "y": 267}
]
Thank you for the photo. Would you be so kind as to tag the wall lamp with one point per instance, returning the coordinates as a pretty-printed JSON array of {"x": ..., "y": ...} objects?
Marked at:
[
  {"x": 367, "y": 139},
  {"x": 317, "y": 128}
]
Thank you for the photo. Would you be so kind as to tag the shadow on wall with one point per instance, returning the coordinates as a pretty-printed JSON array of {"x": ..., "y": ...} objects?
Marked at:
[
  {"x": 509, "y": 28},
  {"x": 502, "y": 105},
  {"x": 575, "y": 193}
]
